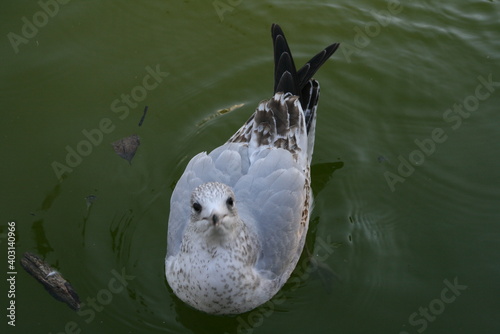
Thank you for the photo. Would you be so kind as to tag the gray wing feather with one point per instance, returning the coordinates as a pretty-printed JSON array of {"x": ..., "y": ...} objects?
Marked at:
[
  {"x": 225, "y": 164},
  {"x": 272, "y": 196},
  {"x": 269, "y": 197}
]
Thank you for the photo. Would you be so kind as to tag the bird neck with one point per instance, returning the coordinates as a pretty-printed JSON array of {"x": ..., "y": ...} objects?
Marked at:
[{"x": 225, "y": 237}]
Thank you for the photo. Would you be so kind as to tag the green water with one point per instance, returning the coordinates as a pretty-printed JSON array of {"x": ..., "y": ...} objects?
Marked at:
[{"x": 405, "y": 228}]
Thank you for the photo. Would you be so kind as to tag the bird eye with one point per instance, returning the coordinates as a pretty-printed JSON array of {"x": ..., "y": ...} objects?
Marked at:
[
  {"x": 230, "y": 202},
  {"x": 197, "y": 207}
]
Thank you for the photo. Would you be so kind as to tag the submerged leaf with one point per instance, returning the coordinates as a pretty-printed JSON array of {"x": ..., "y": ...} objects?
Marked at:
[
  {"x": 218, "y": 113},
  {"x": 126, "y": 147},
  {"x": 143, "y": 115}
]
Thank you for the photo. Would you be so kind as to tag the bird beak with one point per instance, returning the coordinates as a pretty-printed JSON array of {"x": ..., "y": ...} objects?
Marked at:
[{"x": 215, "y": 219}]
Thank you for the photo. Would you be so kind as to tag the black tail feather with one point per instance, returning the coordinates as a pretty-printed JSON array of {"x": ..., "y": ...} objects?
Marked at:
[
  {"x": 286, "y": 77},
  {"x": 309, "y": 102},
  {"x": 307, "y": 71},
  {"x": 285, "y": 73}
]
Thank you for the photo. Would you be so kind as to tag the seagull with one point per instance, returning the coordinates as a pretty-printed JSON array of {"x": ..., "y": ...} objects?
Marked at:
[{"x": 239, "y": 215}]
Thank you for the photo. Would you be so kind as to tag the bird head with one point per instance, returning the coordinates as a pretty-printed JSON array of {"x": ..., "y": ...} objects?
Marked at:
[{"x": 213, "y": 209}]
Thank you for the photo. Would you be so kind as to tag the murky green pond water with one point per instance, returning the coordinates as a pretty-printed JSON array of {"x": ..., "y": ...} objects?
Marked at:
[{"x": 405, "y": 229}]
